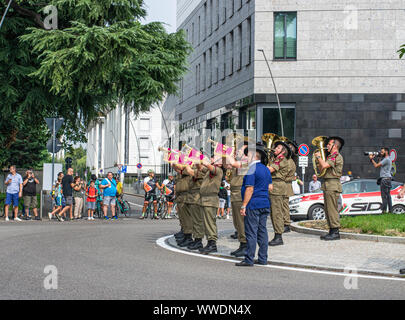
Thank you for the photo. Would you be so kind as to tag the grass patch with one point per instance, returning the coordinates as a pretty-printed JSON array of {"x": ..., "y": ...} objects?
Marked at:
[{"x": 385, "y": 225}]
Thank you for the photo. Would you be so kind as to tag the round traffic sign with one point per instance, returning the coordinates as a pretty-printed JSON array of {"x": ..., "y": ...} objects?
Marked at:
[
  {"x": 303, "y": 150},
  {"x": 139, "y": 166},
  {"x": 393, "y": 155}
]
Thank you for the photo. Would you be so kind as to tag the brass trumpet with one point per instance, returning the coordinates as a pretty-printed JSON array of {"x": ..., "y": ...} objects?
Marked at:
[
  {"x": 269, "y": 139},
  {"x": 226, "y": 150},
  {"x": 320, "y": 143}
]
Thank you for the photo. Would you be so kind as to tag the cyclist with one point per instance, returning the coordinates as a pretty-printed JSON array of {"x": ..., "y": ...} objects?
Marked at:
[
  {"x": 150, "y": 185},
  {"x": 169, "y": 191}
]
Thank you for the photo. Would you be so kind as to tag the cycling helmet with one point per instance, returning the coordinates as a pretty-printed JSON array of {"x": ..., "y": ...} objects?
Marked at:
[{"x": 151, "y": 171}]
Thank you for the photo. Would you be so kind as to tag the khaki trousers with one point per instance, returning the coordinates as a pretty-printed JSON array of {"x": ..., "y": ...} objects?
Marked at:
[
  {"x": 238, "y": 220},
  {"x": 331, "y": 208},
  {"x": 286, "y": 211},
  {"x": 277, "y": 217},
  {"x": 188, "y": 222},
  {"x": 210, "y": 223},
  {"x": 78, "y": 207},
  {"x": 197, "y": 217}
]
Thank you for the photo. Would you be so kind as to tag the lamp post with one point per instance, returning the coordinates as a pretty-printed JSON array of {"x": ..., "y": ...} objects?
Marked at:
[{"x": 275, "y": 90}]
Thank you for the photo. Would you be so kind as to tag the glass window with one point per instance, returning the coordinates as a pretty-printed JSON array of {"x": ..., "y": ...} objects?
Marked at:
[
  {"x": 272, "y": 123},
  {"x": 285, "y": 35},
  {"x": 370, "y": 186},
  {"x": 144, "y": 144},
  {"x": 144, "y": 124},
  {"x": 351, "y": 187}
]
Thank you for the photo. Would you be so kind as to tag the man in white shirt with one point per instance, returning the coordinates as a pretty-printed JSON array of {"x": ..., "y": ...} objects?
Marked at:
[{"x": 314, "y": 184}]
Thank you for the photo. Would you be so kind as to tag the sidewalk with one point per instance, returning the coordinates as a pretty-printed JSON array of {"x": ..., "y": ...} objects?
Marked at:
[{"x": 303, "y": 250}]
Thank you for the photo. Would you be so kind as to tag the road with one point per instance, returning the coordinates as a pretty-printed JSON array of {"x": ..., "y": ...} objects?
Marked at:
[{"x": 121, "y": 260}]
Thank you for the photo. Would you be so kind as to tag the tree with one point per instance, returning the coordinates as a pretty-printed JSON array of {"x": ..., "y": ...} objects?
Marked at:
[
  {"x": 100, "y": 56},
  {"x": 401, "y": 51}
]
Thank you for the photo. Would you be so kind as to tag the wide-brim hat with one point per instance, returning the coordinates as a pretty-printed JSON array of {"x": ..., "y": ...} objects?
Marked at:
[
  {"x": 285, "y": 145},
  {"x": 259, "y": 148},
  {"x": 342, "y": 142},
  {"x": 295, "y": 144}
]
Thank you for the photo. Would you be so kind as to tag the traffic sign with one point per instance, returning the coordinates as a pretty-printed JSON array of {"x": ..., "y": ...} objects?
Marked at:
[
  {"x": 58, "y": 145},
  {"x": 58, "y": 124},
  {"x": 303, "y": 150},
  {"x": 124, "y": 169},
  {"x": 393, "y": 155},
  {"x": 303, "y": 162},
  {"x": 139, "y": 166}
]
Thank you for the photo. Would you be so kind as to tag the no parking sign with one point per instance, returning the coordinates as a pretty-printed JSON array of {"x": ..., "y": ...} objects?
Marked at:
[{"x": 303, "y": 150}]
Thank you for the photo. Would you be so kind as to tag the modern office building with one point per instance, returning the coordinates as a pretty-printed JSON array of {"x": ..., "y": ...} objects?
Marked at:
[
  {"x": 120, "y": 138},
  {"x": 335, "y": 66}
]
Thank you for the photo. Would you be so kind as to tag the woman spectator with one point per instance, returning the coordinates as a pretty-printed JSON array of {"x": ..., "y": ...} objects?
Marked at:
[{"x": 78, "y": 196}]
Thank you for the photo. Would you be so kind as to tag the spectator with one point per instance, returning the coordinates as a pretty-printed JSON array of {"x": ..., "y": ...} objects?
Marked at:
[
  {"x": 314, "y": 185},
  {"x": 91, "y": 194},
  {"x": 78, "y": 196},
  {"x": 120, "y": 190},
  {"x": 296, "y": 185},
  {"x": 58, "y": 194},
  {"x": 109, "y": 188},
  {"x": 223, "y": 196},
  {"x": 67, "y": 190},
  {"x": 14, "y": 185},
  {"x": 30, "y": 194}
]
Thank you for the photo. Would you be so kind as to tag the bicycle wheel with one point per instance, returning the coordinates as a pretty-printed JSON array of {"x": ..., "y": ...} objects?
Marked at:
[
  {"x": 126, "y": 208},
  {"x": 174, "y": 211}
]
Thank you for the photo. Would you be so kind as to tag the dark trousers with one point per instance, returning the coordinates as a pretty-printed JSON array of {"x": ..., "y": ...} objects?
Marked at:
[
  {"x": 386, "y": 195},
  {"x": 256, "y": 232}
]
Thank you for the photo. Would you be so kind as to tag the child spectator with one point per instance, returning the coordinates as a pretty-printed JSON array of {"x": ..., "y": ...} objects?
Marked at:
[
  {"x": 92, "y": 195},
  {"x": 223, "y": 196},
  {"x": 58, "y": 198}
]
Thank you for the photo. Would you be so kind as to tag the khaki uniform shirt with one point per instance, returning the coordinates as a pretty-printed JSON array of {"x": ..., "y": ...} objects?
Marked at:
[
  {"x": 193, "y": 196},
  {"x": 333, "y": 174},
  {"x": 290, "y": 177},
  {"x": 236, "y": 185},
  {"x": 210, "y": 187},
  {"x": 280, "y": 165},
  {"x": 182, "y": 187}
]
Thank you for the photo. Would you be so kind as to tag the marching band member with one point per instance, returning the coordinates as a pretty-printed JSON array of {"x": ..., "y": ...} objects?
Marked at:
[
  {"x": 279, "y": 171},
  {"x": 289, "y": 179},
  {"x": 332, "y": 188}
]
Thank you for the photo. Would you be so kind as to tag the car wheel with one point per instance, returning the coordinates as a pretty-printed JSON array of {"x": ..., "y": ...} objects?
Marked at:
[
  {"x": 398, "y": 209},
  {"x": 316, "y": 212}
]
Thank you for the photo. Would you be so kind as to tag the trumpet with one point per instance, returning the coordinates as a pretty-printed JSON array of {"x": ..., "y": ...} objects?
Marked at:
[
  {"x": 319, "y": 142},
  {"x": 193, "y": 155},
  {"x": 170, "y": 156},
  {"x": 269, "y": 140}
]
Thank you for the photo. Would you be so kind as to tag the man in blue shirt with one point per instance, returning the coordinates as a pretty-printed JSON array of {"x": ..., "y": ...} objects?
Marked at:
[
  {"x": 14, "y": 185},
  {"x": 109, "y": 187},
  {"x": 256, "y": 206}
]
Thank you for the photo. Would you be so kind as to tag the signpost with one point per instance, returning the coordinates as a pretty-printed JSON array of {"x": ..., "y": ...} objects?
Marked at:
[{"x": 303, "y": 151}]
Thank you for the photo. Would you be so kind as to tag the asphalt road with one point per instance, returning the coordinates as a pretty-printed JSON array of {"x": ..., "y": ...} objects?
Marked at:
[{"x": 121, "y": 260}]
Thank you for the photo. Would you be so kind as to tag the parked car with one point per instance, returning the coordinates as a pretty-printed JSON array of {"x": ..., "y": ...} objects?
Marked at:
[{"x": 359, "y": 197}]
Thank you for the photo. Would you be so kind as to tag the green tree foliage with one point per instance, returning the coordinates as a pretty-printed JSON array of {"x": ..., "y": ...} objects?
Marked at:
[
  {"x": 78, "y": 156},
  {"x": 100, "y": 56},
  {"x": 401, "y": 51}
]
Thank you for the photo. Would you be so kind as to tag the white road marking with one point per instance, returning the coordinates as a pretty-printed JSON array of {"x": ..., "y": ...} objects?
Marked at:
[{"x": 162, "y": 243}]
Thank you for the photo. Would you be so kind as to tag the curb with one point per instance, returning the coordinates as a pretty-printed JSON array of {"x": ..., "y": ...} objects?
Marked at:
[
  {"x": 289, "y": 264},
  {"x": 345, "y": 235}
]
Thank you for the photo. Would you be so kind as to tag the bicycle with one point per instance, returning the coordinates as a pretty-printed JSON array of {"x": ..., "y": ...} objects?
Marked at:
[
  {"x": 98, "y": 212},
  {"x": 123, "y": 207}
]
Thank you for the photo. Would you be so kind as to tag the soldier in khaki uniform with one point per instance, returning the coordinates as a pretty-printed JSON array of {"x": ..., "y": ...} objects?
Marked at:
[
  {"x": 210, "y": 202},
  {"x": 292, "y": 167},
  {"x": 332, "y": 188},
  {"x": 279, "y": 170},
  {"x": 237, "y": 172},
  {"x": 182, "y": 190},
  {"x": 194, "y": 206}
]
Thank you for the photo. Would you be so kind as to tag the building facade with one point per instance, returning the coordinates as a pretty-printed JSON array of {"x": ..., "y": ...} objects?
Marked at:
[
  {"x": 120, "y": 138},
  {"x": 335, "y": 66}
]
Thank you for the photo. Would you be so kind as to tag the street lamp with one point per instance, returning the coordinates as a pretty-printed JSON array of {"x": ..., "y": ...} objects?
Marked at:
[{"x": 275, "y": 90}]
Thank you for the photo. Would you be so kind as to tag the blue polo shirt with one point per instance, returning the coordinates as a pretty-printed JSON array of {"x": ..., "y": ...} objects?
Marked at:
[
  {"x": 111, "y": 191},
  {"x": 258, "y": 177}
]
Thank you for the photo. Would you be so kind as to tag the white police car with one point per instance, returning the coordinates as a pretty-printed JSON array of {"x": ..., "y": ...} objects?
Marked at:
[{"x": 359, "y": 197}]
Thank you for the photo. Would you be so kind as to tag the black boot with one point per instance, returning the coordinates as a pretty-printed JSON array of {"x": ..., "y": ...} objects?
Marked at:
[
  {"x": 333, "y": 235},
  {"x": 242, "y": 250},
  {"x": 187, "y": 241},
  {"x": 210, "y": 247},
  {"x": 277, "y": 241},
  {"x": 197, "y": 244},
  {"x": 179, "y": 234},
  {"x": 242, "y": 246},
  {"x": 235, "y": 235},
  {"x": 287, "y": 229}
]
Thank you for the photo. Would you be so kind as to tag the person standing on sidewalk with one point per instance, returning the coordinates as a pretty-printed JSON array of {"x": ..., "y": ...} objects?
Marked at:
[
  {"x": 14, "y": 185},
  {"x": 289, "y": 180},
  {"x": 256, "y": 206},
  {"x": 78, "y": 196},
  {"x": 279, "y": 171},
  {"x": 30, "y": 194},
  {"x": 314, "y": 185},
  {"x": 384, "y": 181},
  {"x": 67, "y": 190},
  {"x": 109, "y": 188},
  {"x": 332, "y": 187}
]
